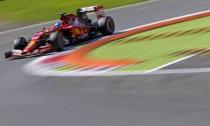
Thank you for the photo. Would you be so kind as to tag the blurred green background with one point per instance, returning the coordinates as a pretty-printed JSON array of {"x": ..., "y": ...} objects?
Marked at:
[{"x": 44, "y": 10}]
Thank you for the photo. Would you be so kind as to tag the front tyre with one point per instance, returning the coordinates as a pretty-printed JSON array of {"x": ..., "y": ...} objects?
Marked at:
[
  {"x": 57, "y": 41},
  {"x": 106, "y": 25},
  {"x": 20, "y": 43}
]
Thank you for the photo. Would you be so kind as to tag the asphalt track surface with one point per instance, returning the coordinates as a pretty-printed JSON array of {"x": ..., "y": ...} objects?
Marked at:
[{"x": 146, "y": 100}]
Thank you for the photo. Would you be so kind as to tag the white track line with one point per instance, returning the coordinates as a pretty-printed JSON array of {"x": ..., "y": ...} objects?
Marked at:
[
  {"x": 116, "y": 73},
  {"x": 168, "y": 64},
  {"x": 173, "y": 62},
  {"x": 49, "y": 22},
  {"x": 166, "y": 20},
  {"x": 131, "y": 5},
  {"x": 26, "y": 27}
]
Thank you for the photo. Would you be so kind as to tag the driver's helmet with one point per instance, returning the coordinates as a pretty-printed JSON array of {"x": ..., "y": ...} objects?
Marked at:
[{"x": 58, "y": 24}]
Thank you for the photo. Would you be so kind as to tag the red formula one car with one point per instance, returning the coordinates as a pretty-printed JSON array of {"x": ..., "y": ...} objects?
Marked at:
[{"x": 69, "y": 29}]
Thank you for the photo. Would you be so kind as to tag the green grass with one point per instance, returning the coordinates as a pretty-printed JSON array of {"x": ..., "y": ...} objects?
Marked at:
[
  {"x": 43, "y": 10},
  {"x": 156, "y": 51}
]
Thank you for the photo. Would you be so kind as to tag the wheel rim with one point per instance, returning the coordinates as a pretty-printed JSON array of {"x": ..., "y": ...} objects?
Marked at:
[{"x": 110, "y": 25}]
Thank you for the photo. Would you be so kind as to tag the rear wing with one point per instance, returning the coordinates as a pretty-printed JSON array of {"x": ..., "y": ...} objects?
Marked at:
[{"x": 98, "y": 9}]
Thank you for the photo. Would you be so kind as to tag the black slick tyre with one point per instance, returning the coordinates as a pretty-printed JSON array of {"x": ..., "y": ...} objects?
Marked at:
[
  {"x": 57, "y": 41},
  {"x": 20, "y": 43},
  {"x": 106, "y": 25}
]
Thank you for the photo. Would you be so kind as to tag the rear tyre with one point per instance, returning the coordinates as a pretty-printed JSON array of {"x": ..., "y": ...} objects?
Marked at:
[
  {"x": 106, "y": 25},
  {"x": 20, "y": 43},
  {"x": 57, "y": 41}
]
